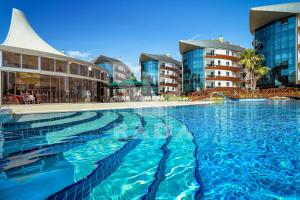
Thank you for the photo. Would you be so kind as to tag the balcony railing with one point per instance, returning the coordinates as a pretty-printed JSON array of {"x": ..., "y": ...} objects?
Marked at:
[
  {"x": 222, "y": 78},
  {"x": 224, "y": 67},
  {"x": 211, "y": 76}
]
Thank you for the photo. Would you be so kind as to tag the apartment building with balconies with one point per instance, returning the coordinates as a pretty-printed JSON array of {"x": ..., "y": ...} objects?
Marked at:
[
  {"x": 118, "y": 70},
  {"x": 210, "y": 64},
  {"x": 161, "y": 74}
]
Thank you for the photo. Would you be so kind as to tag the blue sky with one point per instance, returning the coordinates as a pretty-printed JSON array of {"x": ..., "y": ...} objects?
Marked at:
[{"x": 125, "y": 28}]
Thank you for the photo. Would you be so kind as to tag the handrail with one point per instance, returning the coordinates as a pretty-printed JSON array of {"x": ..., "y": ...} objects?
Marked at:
[{"x": 244, "y": 93}]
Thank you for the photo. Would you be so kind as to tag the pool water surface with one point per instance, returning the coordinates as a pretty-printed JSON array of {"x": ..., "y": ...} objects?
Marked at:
[{"x": 240, "y": 150}]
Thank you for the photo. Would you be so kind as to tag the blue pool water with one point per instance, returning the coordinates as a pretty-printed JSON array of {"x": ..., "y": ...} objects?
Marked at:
[{"x": 241, "y": 150}]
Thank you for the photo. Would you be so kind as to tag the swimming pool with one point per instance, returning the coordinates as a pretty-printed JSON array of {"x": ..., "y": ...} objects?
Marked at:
[{"x": 246, "y": 150}]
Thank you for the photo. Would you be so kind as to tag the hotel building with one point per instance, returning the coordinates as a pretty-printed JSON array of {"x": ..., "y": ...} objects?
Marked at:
[
  {"x": 276, "y": 33},
  {"x": 210, "y": 64},
  {"x": 118, "y": 71},
  {"x": 34, "y": 72},
  {"x": 161, "y": 73}
]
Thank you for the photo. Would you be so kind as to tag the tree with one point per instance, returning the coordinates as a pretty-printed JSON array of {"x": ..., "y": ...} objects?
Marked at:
[{"x": 253, "y": 65}]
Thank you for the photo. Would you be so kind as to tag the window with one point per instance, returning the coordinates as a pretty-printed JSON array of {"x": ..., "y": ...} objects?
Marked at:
[
  {"x": 83, "y": 70},
  {"x": 61, "y": 66},
  {"x": 11, "y": 59},
  {"x": 91, "y": 72},
  {"x": 227, "y": 53},
  {"x": 29, "y": 62},
  {"x": 219, "y": 62},
  {"x": 219, "y": 83},
  {"x": 227, "y": 84},
  {"x": 102, "y": 75},
  {"x": 227, "y": 74},
  {"x": 219, "y": 73},
  {"x": 227, "y": 63},
  {"x": 47, "y": 64},
  {"x": 74, "y": 69}
]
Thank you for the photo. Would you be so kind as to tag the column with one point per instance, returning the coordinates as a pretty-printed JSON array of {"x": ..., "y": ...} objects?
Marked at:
[{"x": 39, "y": 63}]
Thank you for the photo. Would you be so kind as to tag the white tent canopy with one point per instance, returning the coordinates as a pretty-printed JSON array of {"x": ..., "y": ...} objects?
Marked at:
[{"x": 22, "y": 35}]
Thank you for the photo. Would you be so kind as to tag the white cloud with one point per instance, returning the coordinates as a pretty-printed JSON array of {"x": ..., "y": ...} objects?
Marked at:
[{"x": 79, "y": 54}]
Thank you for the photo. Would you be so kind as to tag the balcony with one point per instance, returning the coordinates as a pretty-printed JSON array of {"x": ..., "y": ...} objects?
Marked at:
[
  {"x": 225, "y": 57},
  {"x": 223, "y": 67},
  {"x": 163, "y": 67},
  {"x": 168, "y": 84},
  {"x": 222, "y": 78},
  {"x": 210, "y": 53},
  {"x": 175, "y": 77}
]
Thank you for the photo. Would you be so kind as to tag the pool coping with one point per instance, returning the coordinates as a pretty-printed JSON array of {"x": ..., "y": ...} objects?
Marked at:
[{"x": 70, "y": 107}]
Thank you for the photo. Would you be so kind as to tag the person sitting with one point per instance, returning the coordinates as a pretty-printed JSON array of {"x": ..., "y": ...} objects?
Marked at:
[{"x": 26, "y": 99}]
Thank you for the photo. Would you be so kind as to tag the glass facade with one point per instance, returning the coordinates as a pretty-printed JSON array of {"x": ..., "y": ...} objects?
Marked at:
[
  {"x": 277, "y": 42},
  {"x": 109, "y": 67},
  {"x": 193, "y": 70},
  {"x": 150, "y": 70},
  {"x": 20, "y": 87}
]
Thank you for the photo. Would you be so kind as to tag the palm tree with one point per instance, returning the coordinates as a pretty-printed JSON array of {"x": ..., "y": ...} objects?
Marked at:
[{"x": 253, "y": 65}]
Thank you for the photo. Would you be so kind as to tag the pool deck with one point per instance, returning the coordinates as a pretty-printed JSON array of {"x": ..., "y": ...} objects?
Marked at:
[{"x": 66, "y": 107}]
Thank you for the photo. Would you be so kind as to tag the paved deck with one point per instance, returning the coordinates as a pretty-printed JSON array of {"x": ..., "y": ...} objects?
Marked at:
[{"x": 65, "y": 107}]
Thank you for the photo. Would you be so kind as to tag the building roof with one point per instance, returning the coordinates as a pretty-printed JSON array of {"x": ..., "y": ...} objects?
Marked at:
[
  {"x": 22, "y": 35},
  {"x": 104, "y": 59},
  {"x": 158, "y": 57},
  {"x": 263, "y": 15},
  {"x": 187, "y": 45}
]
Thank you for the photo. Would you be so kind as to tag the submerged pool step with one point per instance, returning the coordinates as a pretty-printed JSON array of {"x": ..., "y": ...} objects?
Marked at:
[
  {"x": 77, "y": 139},
  {"x": 84, "y": 157},
  {"x": 105, "y": 168},
  {"x": 27, "y": 124},
  {"x": 36, "y": 143},
  {"x": 200, "y": 191},
  {"x": 136, "y": 173},
  {"x": 54, "y": 126},
  {"x": 160, "y": 174},
  {"x": 180, "y": 181}
]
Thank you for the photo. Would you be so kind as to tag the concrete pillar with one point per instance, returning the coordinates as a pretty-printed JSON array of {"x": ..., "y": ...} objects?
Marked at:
[
  {"x": 39, "y": 63},
  {"x": 21, "y": 61}
]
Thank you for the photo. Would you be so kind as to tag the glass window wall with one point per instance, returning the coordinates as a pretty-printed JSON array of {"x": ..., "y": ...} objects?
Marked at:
[
  {"x": 150, "y": 71},
  {"x": 47, "y": 64},
  {"x": 277, "y": 42},
  {"x": 29, "y": 61},
  {"x": 61, "y": 66},
  {"x": 193, "y": 70},
  {"x": 32, "y": 88},
  {"x": 11, "y": 59}
]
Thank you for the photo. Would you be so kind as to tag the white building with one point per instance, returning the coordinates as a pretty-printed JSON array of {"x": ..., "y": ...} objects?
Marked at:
[
  {"x": 210, "y": 64},
  {"x": 32, "y": 71}
]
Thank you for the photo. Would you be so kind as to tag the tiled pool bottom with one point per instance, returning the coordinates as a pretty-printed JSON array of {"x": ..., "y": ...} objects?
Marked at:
[{"x": 247, "y": 150}]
